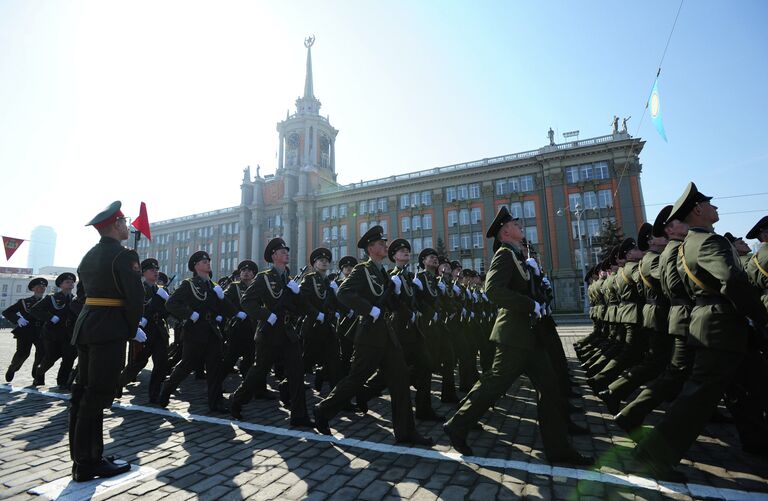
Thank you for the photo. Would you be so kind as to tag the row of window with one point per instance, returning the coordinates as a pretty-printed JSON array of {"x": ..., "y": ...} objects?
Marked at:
[
  {"x": 525, "y": 209},
  {"x": 334, "y": 211},
  {"x": 204, "y": 232},
  {"x": 275, "y": 221},
  {"x": 590, "y": 228},
  {"x": 372, "y": 206},
  {"x": 368, "y": 224},
  {"x": 517, "y": 184},
  {"x": 416, "y": 223},
  {"x": 466, "y": 241},
  {"x": 415, "y": 199},
  {"x": 462, "y": 192},
  {"x": 590, "y": 200},
  {"x": 464, "y": 217},
  {"x": 593, "y": 255},
  {"x": 586, "y": 172},
  {"x": 333, "y": 233}
]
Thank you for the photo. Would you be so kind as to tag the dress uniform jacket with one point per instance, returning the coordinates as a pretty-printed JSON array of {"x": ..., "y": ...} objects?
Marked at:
[
  {"x": 628, "y": 285},
  {"x": 60, "y": 305},
  {"x": 656, "y": 308},
  {"x": 757, "y": 271},
  {"x": 23, "y": 307},
  {"x": 367, "y": 286},
  {"x": 507, "y": 286},
  {"x": 268, "y": 294},
  {"x": 672, "y": 285},
  {"x": 196, "y": 294}
]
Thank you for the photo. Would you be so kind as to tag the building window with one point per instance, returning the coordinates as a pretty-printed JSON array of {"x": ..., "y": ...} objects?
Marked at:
[
  {"x": 466, "y": 263},
  {"x": 416, "y": 245},
  {"x": 416, "y": 222},
  {"x": 575, "y": 226},
  {"x": 450, "y": 194},
  {"x": 574, "y": 199},
  {"x": 343, "y": 232},
  {"x": 501, "y": 187},
  {"x": 335, "y": 233},
  {"x": 526, "y": 183},
  {"x": 585, "y": 172},
  {"x": 601, "y": 170},
  {"x": 426, "y": 221},
  {"x": 361, "y": 209},
  {"x": 18, "y": 288},
  {"x": 426, "y": 198},
  {"x": 342, "y": 250},
  {"x": 590, "y": 200},
  {"x": 593, "y": 228},
  {"x": 476, "y": 215},
  {"x": 382, "y": 203},
  {"x": 513, "y": 185},
  {"x": 404, "y": 201},
  {"x": 343, "y": 210},
  {"x": 464, "y": 217},
  {"x": 453, "y": 241},
  {"x": 334, "y": 211},
  {"x": 405, "y": 224},
  {"x": 466, "y": 241},
  {"x": 579, "y": 259},
  {"x": 478, "y": 264},
  {"x": 604, "y": 199},
  {"x": 278, "y": 220},
  {"x": 529, "y": 209},
  {"x": 453, "y": 218},
  {"x": 415, "y": 199},
  {"x": 474, "y": 190},
  {"x": 324, "y": 214},
  {"x": 532, "y": 234},
  {"x": 477, "y": 240},
  {"x": 427, "y": 242},
  {"x": 516, "y": 209},
  {"x": 462, "y": 192},
  {"x": 571, "y": 175},
  {"x": 363, "y": 228}
]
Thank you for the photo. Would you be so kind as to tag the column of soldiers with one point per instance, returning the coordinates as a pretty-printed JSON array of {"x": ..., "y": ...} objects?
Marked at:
[{"x": 683, "y": 311}]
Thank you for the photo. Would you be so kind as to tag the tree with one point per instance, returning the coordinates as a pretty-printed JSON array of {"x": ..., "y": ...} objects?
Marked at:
[
  {"x": 441, "y": 250},
  {"x": 609, "y": 236}
]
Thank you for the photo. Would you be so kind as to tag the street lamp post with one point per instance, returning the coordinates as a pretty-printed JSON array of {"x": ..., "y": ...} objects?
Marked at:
[{"x": 578, "y": 212}]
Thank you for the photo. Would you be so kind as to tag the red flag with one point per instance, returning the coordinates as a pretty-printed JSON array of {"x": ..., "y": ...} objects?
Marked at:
[
  {"x": 11, "y": 244},
  {"x": 141, "y": 223}
]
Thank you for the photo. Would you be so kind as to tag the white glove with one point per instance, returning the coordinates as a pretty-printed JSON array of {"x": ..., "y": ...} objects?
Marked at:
[
  {"x": 219, "y": 318},
  {"x": 486, "y": 297},
  {"x": 533, "y": 264},
  {"x": 471, "y": 314},
  {"x": 463, "y": 312},
  {"x": 434, "y": 318},
  {"x": 333, "y": 285},
  {"x": 351, "y": 314},
  {"x": 219, "y": 291},
  {"x": 549, "y": 310},
  {"x": 293, "y": 286},
  {"x": 140, "y": 336},
  {"x": 456, "y": 289},
  {"x": 271, "y": 319},
  {"x": 474, "y": 296},
  {"x": 398, "y": 283},
  {"x": 143, "y": 322},
  {"x": 417, "y": 283},
  {"x": 441, "y": 286},
  {"x": 55, "y": 319},
  {"x": 538, "y": 309},
  {"x": 546, "y": 282},
  {"x": 23, "y": 322},
  {"x": 338, "y": 315},
  {"x": 241, "y": 315},
  {"x": 320, "y": 316},
  {"x": 413, "y": 317},
  {"x": 162, "y": 293},
  {"x": 375, "y": 312},
  {"x": 194, "y": 316}
]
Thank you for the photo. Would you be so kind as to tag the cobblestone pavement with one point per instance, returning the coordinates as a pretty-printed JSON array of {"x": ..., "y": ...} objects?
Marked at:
[{"x": 185, "y": 452}]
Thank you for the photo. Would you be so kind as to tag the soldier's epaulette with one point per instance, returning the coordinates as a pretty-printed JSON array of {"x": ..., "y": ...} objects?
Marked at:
[
  {"x": 362, "y": 265},
  {"x": 264, "y": 272}
]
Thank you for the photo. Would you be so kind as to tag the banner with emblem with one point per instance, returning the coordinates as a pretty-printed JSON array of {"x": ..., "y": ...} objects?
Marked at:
[
  {"x": 10, "y": 245},
  {"x": 654, "y": 104}
]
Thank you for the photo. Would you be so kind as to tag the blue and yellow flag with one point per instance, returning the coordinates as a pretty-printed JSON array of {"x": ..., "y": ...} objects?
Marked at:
[{"x": 654, "y": 103}]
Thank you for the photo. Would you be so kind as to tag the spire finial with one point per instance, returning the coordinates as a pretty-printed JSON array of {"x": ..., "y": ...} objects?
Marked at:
[{"x": 308, "y": 84}]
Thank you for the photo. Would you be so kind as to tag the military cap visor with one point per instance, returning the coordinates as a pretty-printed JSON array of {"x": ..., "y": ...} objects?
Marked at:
[
  {"x": 196, "y": 258},
  {"x": 65, "y": 276},
  {"x": 347, "y": 261},
  {"x": 455, "y": 265},
  {"x": 756, "y": 229},
  {"x": 108, "y": 216},
  {"x": 396, "y": 245},
  {"x": 374, "y": 234},
  {"x": 614, "y": 255},
  {"x": 247, "y": 265},
  {"x": 502, "y": 218},
  {"x": 627, "y": 245},
  {"x": 729, "y": 236},
  {"x": 687, "y": 201},
  {"x": 661, "y": 221},
  {"x": 644, "y": 236},
  {"x": 320, "y": 253},
  {"x": 429, "y": 251},
  {"x": 37, "y": 281},
  {"x": 274, "y": 245},
  {"x": 149, "y": 264},
  {"x": 162, "y": 277}
]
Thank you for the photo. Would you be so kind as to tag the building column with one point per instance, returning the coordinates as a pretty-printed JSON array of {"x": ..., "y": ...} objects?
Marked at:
[
  {"x": 241, "y": 246},
  {"x": 282, "y": 147},
  {"x": 301, "y": 245}
]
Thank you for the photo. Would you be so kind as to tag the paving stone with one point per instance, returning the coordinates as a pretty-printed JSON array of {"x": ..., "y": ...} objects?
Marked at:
[
  {"x": 375, "y": 490},
  {"x": 484, "y": 491}
]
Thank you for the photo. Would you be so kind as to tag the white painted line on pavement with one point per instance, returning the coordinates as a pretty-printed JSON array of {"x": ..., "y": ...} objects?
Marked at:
[
  {"x": 66, "y": 489},
  {"x": 696, "y": 491}
]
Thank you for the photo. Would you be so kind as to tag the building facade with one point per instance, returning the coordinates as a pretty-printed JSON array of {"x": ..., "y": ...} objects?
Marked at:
[{"x": 448, "y": 208}]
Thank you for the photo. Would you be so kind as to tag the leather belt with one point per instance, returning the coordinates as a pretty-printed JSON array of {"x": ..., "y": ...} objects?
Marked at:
[
  {"x": 678, "y": 301},
  {"x": 710, "y": 300},
  {"x": 104, "y": 301}
]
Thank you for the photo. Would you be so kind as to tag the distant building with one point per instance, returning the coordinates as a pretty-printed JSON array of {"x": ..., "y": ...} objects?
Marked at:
[
  {"x": 42, "y": 247},
  {"x": 13, "y": 286},
  {"x": 449, "y": 207}
]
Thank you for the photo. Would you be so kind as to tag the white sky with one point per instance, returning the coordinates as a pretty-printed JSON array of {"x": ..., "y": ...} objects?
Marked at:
[{"x": 167, "y": 102}]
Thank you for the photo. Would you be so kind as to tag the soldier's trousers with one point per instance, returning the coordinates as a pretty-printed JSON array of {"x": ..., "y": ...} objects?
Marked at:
[
  {"x": 321, "y": 347},
  {"x": 632, "y": 351},
  {"x": 465, "y": 348},
  {"x": 440, "y": 348},
  {"x": 487, "y": 348},
  {"x": 712, "y": 371},
  {"x": 664, "y": 388},
  {"x": 365, "y": 361},
  {"x": 508, "y": 364},
  {"x": 547, "y": 330},
  {"x": 57, "y": 347},
  {"x": 746, "y": 399},
  {"x": 271, "y": 349},
  {"x": 24, "y": 344},
  {"x": 196, "y": 353},
  {"x": 155, "y": 348},
  {"x": 239, "y": 345},
  {"x": 648, "y": 369}
]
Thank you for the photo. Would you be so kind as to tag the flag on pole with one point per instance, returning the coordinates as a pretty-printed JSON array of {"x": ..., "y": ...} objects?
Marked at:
[
  {"x": 141, "y": 223},
  {"x": 10, "y": 245},
  {"x": 654, "y": 103}
]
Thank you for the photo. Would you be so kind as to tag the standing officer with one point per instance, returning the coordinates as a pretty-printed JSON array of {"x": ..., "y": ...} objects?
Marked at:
[
  {"x": 58, "y": 314},
  {"x": 201, "y": 304},
  {"x": 154, "y": 326},
  {"x": 114, "y": 300},
  {"x": 367, "y": 291},
  {"x": 518, "y": 351},
  {"x": 273, "y": 303},
  {"x": 724, "y": 301},
  {"x": 27, "y": 330}
]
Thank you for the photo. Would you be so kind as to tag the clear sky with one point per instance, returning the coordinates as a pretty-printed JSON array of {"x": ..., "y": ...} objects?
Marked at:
[{"x": 167, "y": 102}]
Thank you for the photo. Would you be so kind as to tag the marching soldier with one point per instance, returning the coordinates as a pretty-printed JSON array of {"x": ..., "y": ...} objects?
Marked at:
[
  {"x": 155, "y": 327},
  {"x": 518, "y": 351},
  {"x": 273, "y": 302},
  {"x": 58, "y": 314},
  {"x": 201, "y": 305},
  {"x": 27, "y": 330},
  {"x": 367, "y": 291},
  {"x": 110, "y": 279},
  {"x": 240, "y": 330},
  {"x": 757, "y": 268},
  {"x": 346, "y": 264},
  {"x": 724, "y": 301}
]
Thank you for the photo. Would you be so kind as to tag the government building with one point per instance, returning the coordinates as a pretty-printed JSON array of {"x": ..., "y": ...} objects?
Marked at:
[{"x": 448, "y": 208}]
